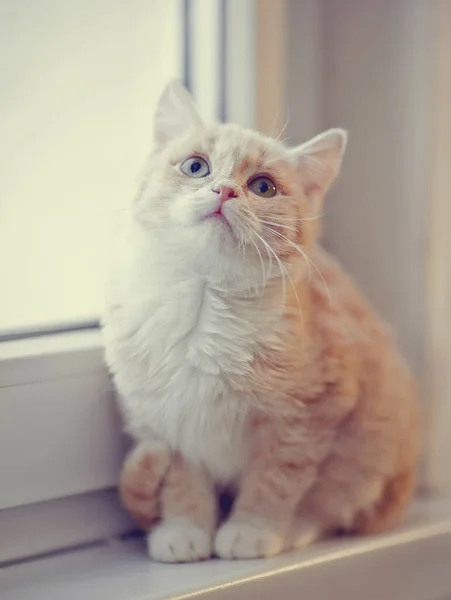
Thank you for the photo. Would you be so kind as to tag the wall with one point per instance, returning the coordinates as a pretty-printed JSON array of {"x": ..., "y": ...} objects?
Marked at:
[{"x": 362, "y": 66}]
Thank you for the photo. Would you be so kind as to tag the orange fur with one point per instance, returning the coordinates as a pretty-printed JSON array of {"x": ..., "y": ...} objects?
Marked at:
[
  {"x": 344, "y": 400},
  {"x": 330, "y": 423},
  {"x": 140, "y": 482}
]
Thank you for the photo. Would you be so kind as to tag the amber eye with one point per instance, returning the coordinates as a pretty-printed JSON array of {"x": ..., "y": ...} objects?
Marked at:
[
  {"x": 195, "y": 166},
  {"x": 263, "y": 186}
]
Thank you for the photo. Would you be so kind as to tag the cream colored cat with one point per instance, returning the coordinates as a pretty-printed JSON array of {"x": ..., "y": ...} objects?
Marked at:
[{"x": 244, "y": 357}]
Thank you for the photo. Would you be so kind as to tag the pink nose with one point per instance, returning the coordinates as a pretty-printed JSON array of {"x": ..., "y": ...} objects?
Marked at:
[{"x": 225, "y": 192}]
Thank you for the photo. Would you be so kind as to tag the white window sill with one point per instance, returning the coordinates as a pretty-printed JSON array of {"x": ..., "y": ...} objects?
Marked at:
[
  {"x": 413, "y": 563},
  {"x": 58, "y": 389},
  {"x": 56, "y": 394},
  {"x": 50, "y": 357}
]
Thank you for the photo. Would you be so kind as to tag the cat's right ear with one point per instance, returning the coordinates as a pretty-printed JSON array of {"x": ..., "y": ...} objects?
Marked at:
[
  {"x": 176, "y": 114},
  {"x": 319, "y": 160}
]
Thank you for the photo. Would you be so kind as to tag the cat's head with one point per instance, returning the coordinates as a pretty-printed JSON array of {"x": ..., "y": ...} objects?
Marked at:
[{"x": 227, "y": 199}]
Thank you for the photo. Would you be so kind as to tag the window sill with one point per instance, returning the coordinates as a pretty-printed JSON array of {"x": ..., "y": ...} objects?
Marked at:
[
  {"x": 58, "y": 389},
  {"x": 51, "y": 357},
  {"x": 412, "y": 563}
]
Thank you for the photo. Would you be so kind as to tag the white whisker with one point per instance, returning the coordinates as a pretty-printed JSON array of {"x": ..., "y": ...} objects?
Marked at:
[
  {"x": 310, "y": 262},
  {"x": 294, "y": 219},
  {"x": 282, "y": 270},
  {"x": 274, "y": 122},
  {"x": 281, "y": 266},
  {"x": 264, "y": 275},
  {"x": 278, "y": 225},
  {"x": 285, "y": 125},
  {"x": 303, "y": 254}
]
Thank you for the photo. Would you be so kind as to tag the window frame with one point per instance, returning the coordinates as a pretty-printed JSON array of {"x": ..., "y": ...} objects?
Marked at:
[
  {"x": 436, "y": 382},
  {"x": 72, "y": 501}
]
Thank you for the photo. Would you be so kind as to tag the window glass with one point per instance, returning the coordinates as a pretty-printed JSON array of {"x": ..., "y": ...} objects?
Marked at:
[{"x": 79, "y": 82}]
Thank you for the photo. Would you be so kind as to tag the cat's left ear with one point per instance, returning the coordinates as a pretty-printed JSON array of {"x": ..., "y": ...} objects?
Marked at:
[
  {"x": 319, "y": 160},
  {"x": 175, "y": 115}
]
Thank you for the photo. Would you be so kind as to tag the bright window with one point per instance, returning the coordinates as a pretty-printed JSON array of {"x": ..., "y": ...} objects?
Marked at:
[{"x": 78, "y": 82}]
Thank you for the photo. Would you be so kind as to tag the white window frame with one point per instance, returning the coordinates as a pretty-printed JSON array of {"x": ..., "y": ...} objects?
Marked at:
[
  {"x": 60, "y": 377},
  {"x": 70, "y": 364}
]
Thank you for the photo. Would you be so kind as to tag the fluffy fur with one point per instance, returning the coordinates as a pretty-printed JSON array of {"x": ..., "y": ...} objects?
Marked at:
[{"x": 246, "y": 359}]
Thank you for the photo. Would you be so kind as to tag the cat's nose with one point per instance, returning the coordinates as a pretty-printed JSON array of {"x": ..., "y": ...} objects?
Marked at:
[{"x": 225, "y": 192}]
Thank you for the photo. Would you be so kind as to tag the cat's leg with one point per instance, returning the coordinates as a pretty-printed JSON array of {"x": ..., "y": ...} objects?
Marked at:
[
  {"x": 189, "y": 515},
  {"x": 260, "y": 524},
  {"x": 141, "y": 479},
  {"x": 304, "y": 531},
  {"x": 281, "y": 468}
]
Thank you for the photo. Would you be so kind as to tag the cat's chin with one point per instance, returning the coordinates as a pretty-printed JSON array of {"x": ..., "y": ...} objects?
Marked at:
[
  {"x": 215, "y": 250},
  {"x": 218, "y": 230},
  {"x": 217, "y": 217},
  {"x": 218, "y": 220}
]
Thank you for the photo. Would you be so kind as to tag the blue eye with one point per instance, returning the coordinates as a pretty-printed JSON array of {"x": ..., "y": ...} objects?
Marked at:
[
  {"x": 195, "y": 166},
  {"x": 263, "y": 186}
]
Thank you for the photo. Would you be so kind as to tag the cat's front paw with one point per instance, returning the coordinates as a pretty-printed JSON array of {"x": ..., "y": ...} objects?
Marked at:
[
  {"x": 179, "y": 541},
  {"x": 239, "y": 539}
]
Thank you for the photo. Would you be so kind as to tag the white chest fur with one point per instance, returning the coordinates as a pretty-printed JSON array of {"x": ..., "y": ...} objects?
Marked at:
[{"x": 174, "y": 350}]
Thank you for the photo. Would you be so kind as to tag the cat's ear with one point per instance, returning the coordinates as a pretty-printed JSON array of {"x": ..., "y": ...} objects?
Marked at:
[
  {"x": 176, "y": 114},
  {"x": 319, "y": 160}
]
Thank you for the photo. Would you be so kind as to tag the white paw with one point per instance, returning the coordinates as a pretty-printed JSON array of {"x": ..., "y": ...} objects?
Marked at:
[
  {"x": 179, "y": 541},
  {"x": 246, "y": 540}
]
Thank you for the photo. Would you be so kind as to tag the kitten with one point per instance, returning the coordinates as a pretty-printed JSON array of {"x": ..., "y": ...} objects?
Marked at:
[{"x": 244, "y": 357}]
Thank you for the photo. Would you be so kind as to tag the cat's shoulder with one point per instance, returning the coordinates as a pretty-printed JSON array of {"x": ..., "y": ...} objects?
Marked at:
[{"x": 338, "y": 301}]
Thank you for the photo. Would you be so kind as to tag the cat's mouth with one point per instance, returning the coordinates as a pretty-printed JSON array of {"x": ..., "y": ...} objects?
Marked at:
[{"x": 218, "y": 216}]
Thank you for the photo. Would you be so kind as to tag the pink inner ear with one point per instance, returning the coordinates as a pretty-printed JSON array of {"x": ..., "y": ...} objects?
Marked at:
[{"x": 312, "y": 188}]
